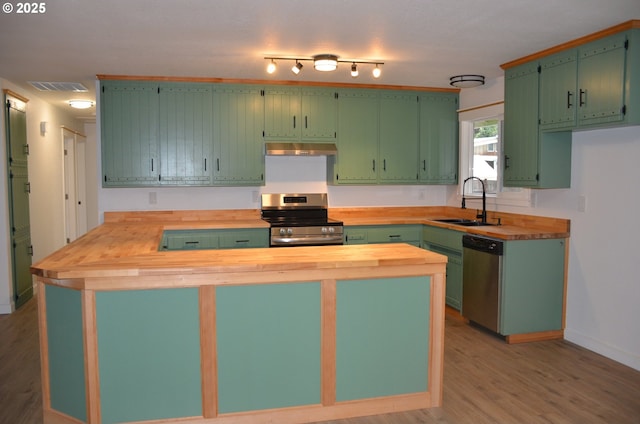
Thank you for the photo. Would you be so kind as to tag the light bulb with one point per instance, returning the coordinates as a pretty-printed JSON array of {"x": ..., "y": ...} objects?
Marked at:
[
  {"x": 271, "y": 67},
  {"x": 377, "y": 72}
]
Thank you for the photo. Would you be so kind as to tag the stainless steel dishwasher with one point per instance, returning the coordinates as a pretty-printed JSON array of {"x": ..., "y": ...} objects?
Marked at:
[{"x": 481, "y": 278}]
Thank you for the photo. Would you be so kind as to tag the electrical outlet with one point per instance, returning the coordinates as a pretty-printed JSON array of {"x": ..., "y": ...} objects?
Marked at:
[
  {"x": 582, "y": 203},
  {"x": 153, "y": 198}
]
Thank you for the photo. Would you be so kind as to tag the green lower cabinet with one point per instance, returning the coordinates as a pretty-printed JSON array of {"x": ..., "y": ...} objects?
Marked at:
[
  {"x": 214, "y": 239},
  {"x": 382, "y": 337},
  {"x": 66, "y": 352},
  {"x": 268, "y": 346},
  {"x": 149, "y": 354},
  {"x": 532, "y": 286},
  {"x": 449, "y": 243}
]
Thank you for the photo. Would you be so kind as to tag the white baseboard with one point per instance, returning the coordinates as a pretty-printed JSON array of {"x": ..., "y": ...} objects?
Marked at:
[
  {"x": 629, "y": 359},
  {"x": 6, "y": 308}
]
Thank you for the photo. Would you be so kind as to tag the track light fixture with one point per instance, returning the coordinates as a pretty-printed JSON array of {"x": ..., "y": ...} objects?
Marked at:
[
  {"x": 324, "y": 63},
  {"x": 296, "y": 68}
]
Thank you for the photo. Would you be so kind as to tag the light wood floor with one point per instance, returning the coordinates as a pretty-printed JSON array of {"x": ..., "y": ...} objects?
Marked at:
[{"x": 485, "y": 381}]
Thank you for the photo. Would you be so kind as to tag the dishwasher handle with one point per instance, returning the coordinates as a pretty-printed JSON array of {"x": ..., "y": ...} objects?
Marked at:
[{"x": 483, "y": 244}]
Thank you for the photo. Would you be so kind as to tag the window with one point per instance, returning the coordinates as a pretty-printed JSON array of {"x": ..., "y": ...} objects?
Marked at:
[
  {"x": 481, "y": 157},
  {"x": 485, "y": 157}
]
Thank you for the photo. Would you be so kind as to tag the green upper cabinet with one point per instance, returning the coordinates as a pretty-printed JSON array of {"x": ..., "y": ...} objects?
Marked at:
[
  {"x": 130, "y": 125},
  {"x": 438, "y": 138},
  {"x": 593, "y": 85},
  {"x": 186, "y": 136},
  {"x": 398, "y": 138},
  {"x": 294, "y": 113},
  {"x": 357, "y": 140},
  {"x": 238, "y": 122}
]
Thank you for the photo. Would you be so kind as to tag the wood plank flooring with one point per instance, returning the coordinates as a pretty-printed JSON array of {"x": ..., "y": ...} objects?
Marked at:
[{"x": 485, "y": 381}]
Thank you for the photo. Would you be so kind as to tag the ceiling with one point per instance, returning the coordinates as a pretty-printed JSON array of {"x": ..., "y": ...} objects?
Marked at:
[{"x": 422, "y": 42}]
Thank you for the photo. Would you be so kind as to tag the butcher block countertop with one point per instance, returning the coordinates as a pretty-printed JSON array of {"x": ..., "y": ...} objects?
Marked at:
[{"x": 126, "y": 245}]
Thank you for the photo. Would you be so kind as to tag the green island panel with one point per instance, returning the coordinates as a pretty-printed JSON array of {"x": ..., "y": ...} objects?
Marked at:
[
  {"x": 268, "y": 346},
  {"x": 66, "y": 351},
  {"x": 382, "y": 337},
  {"x": 149, "y": 354}
]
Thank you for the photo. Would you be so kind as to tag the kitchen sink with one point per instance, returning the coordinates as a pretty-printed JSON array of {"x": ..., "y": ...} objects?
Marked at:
[{"x": 463, "y": 222}]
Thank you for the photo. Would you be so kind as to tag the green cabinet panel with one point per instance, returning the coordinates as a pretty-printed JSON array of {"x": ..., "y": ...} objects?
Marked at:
[
  {"x": 532, "y": 286},
  {"x": 66, "y": 351},
  {"x": 185, "y": 134},
  {"x": 294, "y": 113},
  {"x": 238, "y": 121},
  {"x": 447, "y": 242},
  {"x": 268, "y": 346},
  {"x": 214, "y": 239},
  {"x": 129, "y": 128},
  {"x": 357, "y": 138},
  {"x": 398, "y": 138},
  {"x": 382, "y": 337},
  {"x": 438, "y": 138},
  {"x": 149, "y": 354},
  {"x": 370, "y": 234}
]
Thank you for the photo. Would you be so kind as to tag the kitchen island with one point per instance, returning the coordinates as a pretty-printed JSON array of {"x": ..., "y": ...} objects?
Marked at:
[{"x": 288, "y": 335}]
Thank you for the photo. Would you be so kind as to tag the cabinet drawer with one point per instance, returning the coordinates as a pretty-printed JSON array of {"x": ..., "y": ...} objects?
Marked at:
[
  {"x": 186, "y": 240},
  {"x": 394, "y": 234},
  {"x": 247, "y": 238},
  {"x": 356, "y": 236}
]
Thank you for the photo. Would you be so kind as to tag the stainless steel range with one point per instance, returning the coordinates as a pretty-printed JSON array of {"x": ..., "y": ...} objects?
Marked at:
[{"x": 300, "y": 220}]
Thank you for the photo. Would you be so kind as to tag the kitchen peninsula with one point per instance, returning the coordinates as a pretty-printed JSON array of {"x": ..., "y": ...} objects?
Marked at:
[{"x": 289, "y": 335}]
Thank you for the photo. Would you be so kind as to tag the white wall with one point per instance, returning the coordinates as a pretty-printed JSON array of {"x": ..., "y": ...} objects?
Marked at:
[
  {"x": 47, "y": 185},
  {"x": 603, "y": 283}
]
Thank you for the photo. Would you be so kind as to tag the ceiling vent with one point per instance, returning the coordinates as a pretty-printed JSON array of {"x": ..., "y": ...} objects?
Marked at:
[{"x": 59, "y": 86}]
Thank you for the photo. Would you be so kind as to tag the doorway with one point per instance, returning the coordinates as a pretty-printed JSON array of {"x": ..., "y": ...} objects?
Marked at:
[{"x": 74, "y": 184}]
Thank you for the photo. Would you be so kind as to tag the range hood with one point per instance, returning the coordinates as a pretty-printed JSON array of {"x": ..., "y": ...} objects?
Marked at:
[{"x": 301, "y": 149}]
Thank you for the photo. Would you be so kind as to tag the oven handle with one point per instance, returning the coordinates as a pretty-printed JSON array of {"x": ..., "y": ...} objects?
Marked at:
[{"x": 280, "y": 241}]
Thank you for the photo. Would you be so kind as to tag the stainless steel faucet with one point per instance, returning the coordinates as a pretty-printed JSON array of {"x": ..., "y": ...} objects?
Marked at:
[{"x": 483, "y": 215}]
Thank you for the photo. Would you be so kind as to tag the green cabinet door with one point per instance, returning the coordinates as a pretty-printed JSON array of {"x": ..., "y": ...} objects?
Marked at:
[
  {"x": 532, "y": 289},
  {"x": 186, "y": 136},
  {"x": 438, "y": 138},
  {"x": 601, "y": 81},
  {"x": 319, "y": 114},
  {"x": 18, "y": 202},
  {"x": 238, "y": 115},
  {"x": 357, "y": 138},
  {"x": 558, "y": 95},
  {"x": 447, "y": 242},
  {"x": 282, "y": 113},
  {"x": 520, "y": 141},
  {"x": 130, "y": 122},
  {"x": 398, "y": 143}
]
